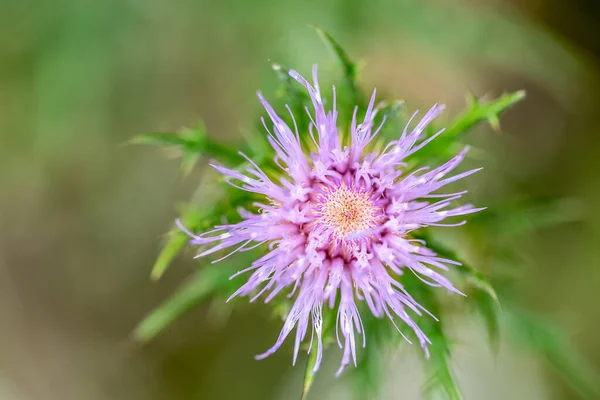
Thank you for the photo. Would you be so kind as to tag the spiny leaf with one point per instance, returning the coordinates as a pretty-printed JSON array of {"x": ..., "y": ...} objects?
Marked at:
[
  {"x": 479, "y": 111},
  {"x": 441, "y": 376},
  {"x": 204, "y": 283},
  {"x": 392, "y": 110},
  {"x": 160, "y": 138},
  {"x": 295, "y": 97},
  {"x": 349, "y": 68},
  {"x": 191, "y": 220},
  {"x": 191, "y": 142},
  {"x": 348, "y": 93},
  {"x": 382, "y": 337},
  {"x": 188, "y": 162},
  {"x": 394, "y": 120},
  {"x": 293, "y": 91},
  {"x": 523, "y": 219},
  {"x": 221, "y": 151},
  {"x": 464, "y": 269},
  {"x": 480, "y": 282},
  {"x": 309, "y": 373},
  {"x": 488, "y": 309},
  {"x": 534, "y": 332},
  {"x": 195, "y": 219},
  {"x": 485, "y": 300},
  {"x": 175, "y": 244}
]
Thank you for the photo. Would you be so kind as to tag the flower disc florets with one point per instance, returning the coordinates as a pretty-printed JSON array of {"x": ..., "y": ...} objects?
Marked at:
[
  {"x": 338, "y": 225},
  {"x": 345, "y": 211}
]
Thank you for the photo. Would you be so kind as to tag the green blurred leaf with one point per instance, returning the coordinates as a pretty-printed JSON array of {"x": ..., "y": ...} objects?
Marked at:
[
  {"x": 189, "y": 161},
  {"x": 160, "y": 138},
  {"x": 479, "y": 281},
  {"x": 192, "y": 220},
  {"x": 477, "y": 111},
  {"x": 197, "y": 219},
  {"x": 348, "y": 93},
  {"x": 309, "y": 376},
  {"x": 519, "y": 218},
  {"x": 440, "y": 371},
  {"x": 369, "y": 374},
  {"x": 394, "y": 120},
  {"x": 348, "y": 67},
  {"x": 488, "y": 309},
  {"x": 206, "y": 282},
  {"x": 466, "y": 270},
  {"x": 438, "y": 365},
  {"x": 295, "y": 95},
  {"x": 533, "y": 332},
  {"x": 383, "y": 338},
  {"x": 484, "y": 299},
  {"x": 191, "y": 142},
  {"x": 329, "y": 317},
  {"x": 174, "y": 245}
]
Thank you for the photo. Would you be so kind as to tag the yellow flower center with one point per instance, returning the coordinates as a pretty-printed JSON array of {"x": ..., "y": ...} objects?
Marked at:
[{"x": 346, "y": 211}]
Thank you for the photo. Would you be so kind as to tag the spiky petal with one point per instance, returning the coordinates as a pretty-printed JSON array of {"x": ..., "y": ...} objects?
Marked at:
[{"x": 338, "y": 226}]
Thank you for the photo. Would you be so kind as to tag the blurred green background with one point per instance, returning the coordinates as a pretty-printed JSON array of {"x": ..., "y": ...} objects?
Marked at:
[{"x": 81, "y": 215}]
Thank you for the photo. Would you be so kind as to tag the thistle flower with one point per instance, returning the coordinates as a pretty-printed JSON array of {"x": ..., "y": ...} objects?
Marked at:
[{"x": 338, "y": 225}]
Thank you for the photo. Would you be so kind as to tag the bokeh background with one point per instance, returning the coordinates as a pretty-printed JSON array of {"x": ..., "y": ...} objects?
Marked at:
[{"x": 81, "y": 215}]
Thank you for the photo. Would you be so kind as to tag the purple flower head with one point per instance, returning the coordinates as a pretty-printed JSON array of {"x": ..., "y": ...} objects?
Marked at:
[{"x": 338, "y": 225}]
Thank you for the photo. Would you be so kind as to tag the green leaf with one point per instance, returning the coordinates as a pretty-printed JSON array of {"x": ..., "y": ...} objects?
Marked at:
[
  {"x": 213, "y": 209},
  {"x": 223, "y": 152},
  {"x": 477, "y": 111},
  {"x": 394, "y": 120},
  {"x": 204, "y": 283},
  {"x": 160, "y": 138},
  {"x": 348, "y": 94},
  {"x": 175, "y": 244},
  {"x": 466, "y": 270},
  {"x": 520, "y": 219},
  {"x": 438, "y": 365},
  {"x": 480, "y": 282},
  {"x": 488, "y": 309},
  {"x": 188, "y": 162},
  {"x": 192, "y": 220},
  {"x": 383, "y": 338},
  {"x": 348, "y": 67},
  {"x": 481, "y": 111},
  {"x": 293, "y": 92},
  {"x": 441, "y": 375},
  {"x": 191, "y": 142},
  {"x": 533, "y": 332},
  {"x": 369, "y": 374},
  {"x": 328, "y": 326},
  {"x": 296, "y": 97},
  {"x": 309, "y": 375},
  {"x": 484, "y": 299}
]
